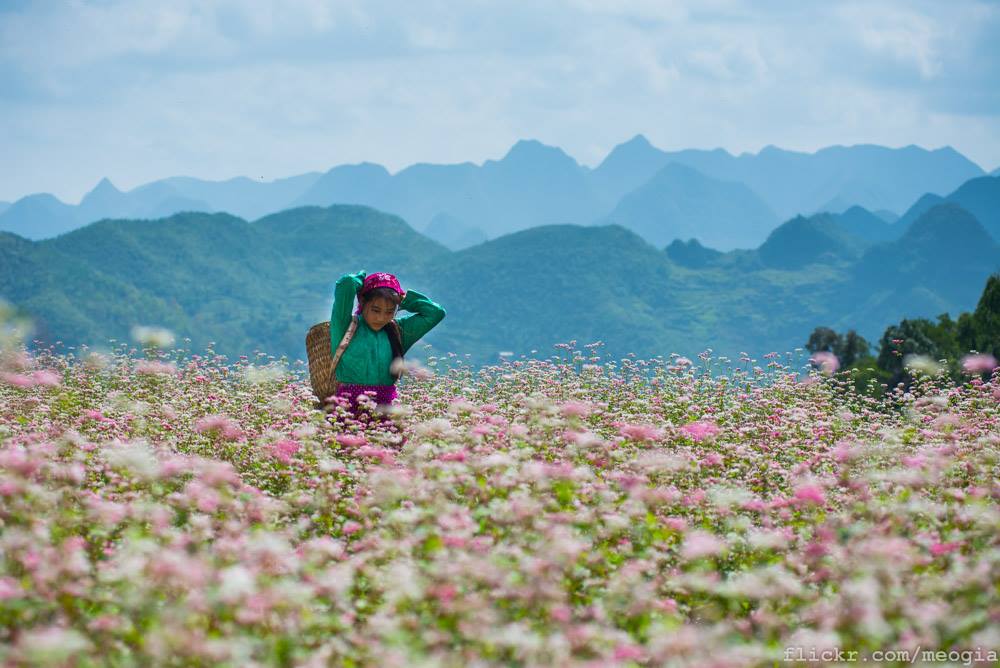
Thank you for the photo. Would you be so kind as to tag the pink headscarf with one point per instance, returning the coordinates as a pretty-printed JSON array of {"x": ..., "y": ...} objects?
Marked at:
[{"x": 379, "y": 279}]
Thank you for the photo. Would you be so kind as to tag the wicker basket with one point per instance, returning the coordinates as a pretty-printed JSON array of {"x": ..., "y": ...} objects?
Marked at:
[{"x": 323, "y": 364}]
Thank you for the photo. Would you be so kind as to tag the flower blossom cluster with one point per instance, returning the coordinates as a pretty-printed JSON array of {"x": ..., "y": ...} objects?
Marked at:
[{"x": 537, "y": 513}]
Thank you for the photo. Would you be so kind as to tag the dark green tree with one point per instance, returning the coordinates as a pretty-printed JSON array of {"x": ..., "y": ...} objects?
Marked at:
[
  {"x": 965, "y": 331},
  {"x": 849, "y": 348},
  {"x": 986, "y": 319},
  {"x": 824, "y": 339},
  {"x": 854, "y": 349},
  {"x": 918, "y": 336}
]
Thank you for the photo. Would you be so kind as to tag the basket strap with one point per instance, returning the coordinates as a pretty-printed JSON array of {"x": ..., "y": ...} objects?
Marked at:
[
  {"x": 399, "y": 337},
  {"x": 344, "y": 342}
]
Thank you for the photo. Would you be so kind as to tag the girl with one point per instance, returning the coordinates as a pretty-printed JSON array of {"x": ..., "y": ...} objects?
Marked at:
[{"x": 366, "y": 367}]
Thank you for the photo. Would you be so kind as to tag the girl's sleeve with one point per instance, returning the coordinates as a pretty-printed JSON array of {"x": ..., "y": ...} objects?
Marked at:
[
  {"x": 344, "y": 293},
  {"x": 426, "y": 314}
]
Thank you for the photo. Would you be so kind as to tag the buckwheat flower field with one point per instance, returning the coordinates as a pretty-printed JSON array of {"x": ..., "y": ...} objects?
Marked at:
[{"x": 181, "y": 509}]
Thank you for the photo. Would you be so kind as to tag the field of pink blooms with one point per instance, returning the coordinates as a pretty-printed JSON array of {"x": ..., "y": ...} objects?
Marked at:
[{"x": 173, "y": 508}]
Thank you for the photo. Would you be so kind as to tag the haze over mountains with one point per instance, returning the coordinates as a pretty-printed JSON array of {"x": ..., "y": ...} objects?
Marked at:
[
  {"x": 723, "y": 200},
  {"x": 680, "y": 202},
  {"x": 260, "y": 285},
  {"x": 650, "y": 252}
]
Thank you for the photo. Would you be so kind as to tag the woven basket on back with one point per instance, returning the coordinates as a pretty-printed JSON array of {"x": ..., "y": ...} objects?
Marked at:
[{"x": 323, "y": 364}]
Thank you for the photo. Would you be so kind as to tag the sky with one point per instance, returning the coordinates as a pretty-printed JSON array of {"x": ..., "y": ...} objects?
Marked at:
[{"x": 140, "y": 90}]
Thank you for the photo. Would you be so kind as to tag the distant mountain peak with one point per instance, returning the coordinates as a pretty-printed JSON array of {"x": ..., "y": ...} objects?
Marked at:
[
  {"x": 637, "y": 151},
  {"x": 946, "y": 149},
  {"x": 947, "y": 222},
  {"x": 359, "y": 167},
  {"x": 105, "y": 186},
  {"x": 638, "y": 141},
  {"x": 802, "y": 241},
  {"x": 532, "y": 150},
  {"x": 103, "y": 194},
  {"x": 691, "y": 253}
]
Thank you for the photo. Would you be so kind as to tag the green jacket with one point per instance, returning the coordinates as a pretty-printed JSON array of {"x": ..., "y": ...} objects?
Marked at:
[{"x": 367, "y": 359}]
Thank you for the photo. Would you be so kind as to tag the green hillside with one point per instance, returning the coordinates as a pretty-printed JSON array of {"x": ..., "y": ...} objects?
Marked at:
[{"x": 259, "y": 286}]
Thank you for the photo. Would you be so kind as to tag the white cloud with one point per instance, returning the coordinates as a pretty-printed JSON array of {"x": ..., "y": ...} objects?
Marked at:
[
  {"x": 138, "y": 91},
  {"x": 899, "y": 32}
]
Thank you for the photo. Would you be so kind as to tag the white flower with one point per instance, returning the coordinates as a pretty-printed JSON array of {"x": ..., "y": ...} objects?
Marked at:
[
  {"x": 922, "y": 364},
  {"x": 135, "y": 457},
  {"x": 235, "y": 582},
  {"x": 51, "y": 646},
  {"x": 766, "y": 540},
  {"x": 258, "y": 375},
  {"x": 154, "y": 337}
]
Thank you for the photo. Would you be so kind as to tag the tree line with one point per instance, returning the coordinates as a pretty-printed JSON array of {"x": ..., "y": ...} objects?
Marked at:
[{"x": 914, "y": 342}]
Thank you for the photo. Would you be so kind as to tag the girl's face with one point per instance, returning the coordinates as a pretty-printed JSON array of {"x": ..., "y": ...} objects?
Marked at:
[{"x": 378, "y": 312}]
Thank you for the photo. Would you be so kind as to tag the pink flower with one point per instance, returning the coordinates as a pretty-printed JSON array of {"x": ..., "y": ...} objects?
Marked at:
[
  {"x": 105, "y": 623},
  {"x": 46, "y": 378},
  {"x": 575, "y": 409},
  {"x": 666, "y": 605},
  {"x": 17, "y": 459},
  {"x": 712, "y": 459},
  {"x": 384, "y": 455},
  {"x": 695, "y": 497},
  {"x": 284, "y": 449},
  {"x": 640, "y": 432},
  {"x": 826, "y": 361},
  {"x": 676, "y": 523},
  {"x": 219, "y": 424},
  {"x": 351, "y": 527},
  {"x": 937, "y": 549},
  {"x": 351, "y": 440},
  {"x": 155, "y": 368},
  {"x": 205, "y": 498},
  {"x": 561, "y": 613},
  {"x": 443, "y": 592},
  {"x": 17, "y": 379},
  {"x": 979, "y": 363},
  {"x": 699, "y": 544},
  {"x": 700, "y": 430},
  {"x": 627, "y": 652},
  {"x": 452, "y": 540},
  {"x": 810, "y": 494},
  {"x": 9, "y": 588}
]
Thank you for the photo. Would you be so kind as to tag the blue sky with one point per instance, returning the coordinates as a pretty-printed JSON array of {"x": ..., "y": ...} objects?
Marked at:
[{"x": 138, "y": 90}]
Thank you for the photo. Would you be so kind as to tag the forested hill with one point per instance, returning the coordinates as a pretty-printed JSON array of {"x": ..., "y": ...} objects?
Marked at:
[{"x": 259, "y": 286}]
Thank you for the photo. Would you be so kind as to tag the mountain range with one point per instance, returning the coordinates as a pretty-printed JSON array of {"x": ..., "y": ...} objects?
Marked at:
[
  {"x": 723, "y": 200},
  {"x": 215, "y": 277}
]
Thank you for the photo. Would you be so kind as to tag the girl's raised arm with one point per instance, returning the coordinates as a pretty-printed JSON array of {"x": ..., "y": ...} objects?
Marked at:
[
  {"x": 426, "y": 314},
  {"x": 344, "y": 293}
]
